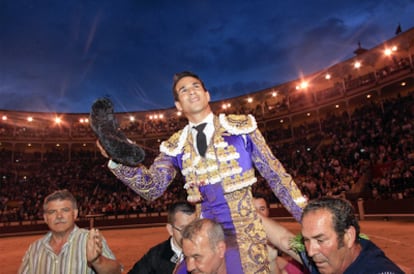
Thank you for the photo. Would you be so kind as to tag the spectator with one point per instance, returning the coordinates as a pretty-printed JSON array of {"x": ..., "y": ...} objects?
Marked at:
[
  {"x": 204, "y": 247},
  {"x": 331, "y": 236},
  {"x": 163, "y": 257},
  {"x": 278, "y": 264},
  {"x": 66, "y": 248}
]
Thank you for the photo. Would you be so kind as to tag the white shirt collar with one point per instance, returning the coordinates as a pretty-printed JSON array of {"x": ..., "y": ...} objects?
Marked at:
[
  {"x": 177, "y": 250},
  {"x": 209, "y": 120},
  {"x": 208, "y": 130}
]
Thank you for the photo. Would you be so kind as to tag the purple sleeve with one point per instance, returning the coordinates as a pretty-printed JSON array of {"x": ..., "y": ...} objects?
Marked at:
[
  {"x": 275, "y": 174},
  {"x": 149, "y": 183}
]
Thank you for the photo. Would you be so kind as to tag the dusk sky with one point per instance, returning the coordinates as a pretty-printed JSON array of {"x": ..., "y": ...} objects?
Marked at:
[{"x": 60, "y": 56}]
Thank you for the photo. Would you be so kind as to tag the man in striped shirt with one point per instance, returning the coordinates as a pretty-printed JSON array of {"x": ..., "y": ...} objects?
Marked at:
[{"x": 66, "y": 248}]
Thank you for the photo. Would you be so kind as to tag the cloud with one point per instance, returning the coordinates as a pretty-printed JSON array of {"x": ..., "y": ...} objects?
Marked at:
[{"x": 65, "y": 54}]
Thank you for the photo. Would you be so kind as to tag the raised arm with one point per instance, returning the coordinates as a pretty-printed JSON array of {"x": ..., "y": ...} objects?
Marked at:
[
  {"x": 99, "y": 256},
  {"x": 279, "y": 236}
]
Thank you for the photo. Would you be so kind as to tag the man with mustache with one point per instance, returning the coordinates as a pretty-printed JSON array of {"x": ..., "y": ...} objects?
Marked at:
[{"x": 66, "y": 248}]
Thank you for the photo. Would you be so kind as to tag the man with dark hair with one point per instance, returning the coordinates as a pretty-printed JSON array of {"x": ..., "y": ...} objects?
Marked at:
[
  {"x": 261, "y": 203},
  {"x": 204, "y": 247},
  {"x": 163, "y": 257},
  {"x": 67, "y": 248},
  {"x": 217, "y": 155},
  {"x": 331, "y": 235},
  {"x": 280, "y": 238}
]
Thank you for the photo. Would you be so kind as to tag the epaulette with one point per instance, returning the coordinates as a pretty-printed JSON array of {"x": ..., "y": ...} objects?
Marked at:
[
  {"x": 238, "y": 124},
  {"x": 174, "y": 145}
]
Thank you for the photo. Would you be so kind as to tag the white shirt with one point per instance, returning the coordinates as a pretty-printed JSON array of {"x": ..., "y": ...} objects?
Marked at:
[
  {"x": 208, "y": 130},
  {"x": 177, "y": 250}
]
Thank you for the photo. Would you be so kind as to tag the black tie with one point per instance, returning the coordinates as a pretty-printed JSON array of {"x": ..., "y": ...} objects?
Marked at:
[{"x": 201, "y": 139}]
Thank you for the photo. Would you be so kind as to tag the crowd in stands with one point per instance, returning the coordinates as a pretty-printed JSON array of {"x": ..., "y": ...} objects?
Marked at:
[
  {"x": 369, "y": 152},
  {"x": 97, "y": 191}
]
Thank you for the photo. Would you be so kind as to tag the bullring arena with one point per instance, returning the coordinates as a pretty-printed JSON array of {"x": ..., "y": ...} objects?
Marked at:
[
  {"x": 350, "y": 135},
  {"x": 395, "y": 237}
]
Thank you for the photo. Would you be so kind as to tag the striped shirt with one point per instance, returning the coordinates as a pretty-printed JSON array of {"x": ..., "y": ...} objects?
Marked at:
[{"x": 41, "y": 259}]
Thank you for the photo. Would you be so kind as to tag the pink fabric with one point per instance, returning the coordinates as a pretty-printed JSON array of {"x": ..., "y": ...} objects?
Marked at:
[{"x": 294, "y": 267}]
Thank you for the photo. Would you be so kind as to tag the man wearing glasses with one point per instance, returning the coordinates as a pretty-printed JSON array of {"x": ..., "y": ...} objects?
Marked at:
[{"x": 163, "y": 257}]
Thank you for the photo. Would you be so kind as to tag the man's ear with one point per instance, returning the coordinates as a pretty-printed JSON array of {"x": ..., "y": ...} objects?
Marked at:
[
  {"x": 350, "y": 237},
  {"x": 178, "y": 106},
  {"x": 75, "y": 213},
  {"x": 221, "y": 247},
  {"x": 208, "y": 95},
  {"x": 169, "y": 229}
]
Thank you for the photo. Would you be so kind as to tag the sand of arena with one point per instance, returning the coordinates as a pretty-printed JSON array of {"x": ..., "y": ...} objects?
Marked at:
[{"x": 395, "y": 237}]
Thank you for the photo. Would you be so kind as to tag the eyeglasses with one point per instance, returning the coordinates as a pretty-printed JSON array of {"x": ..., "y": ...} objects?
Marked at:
[{"x": 176, "y": 228}]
